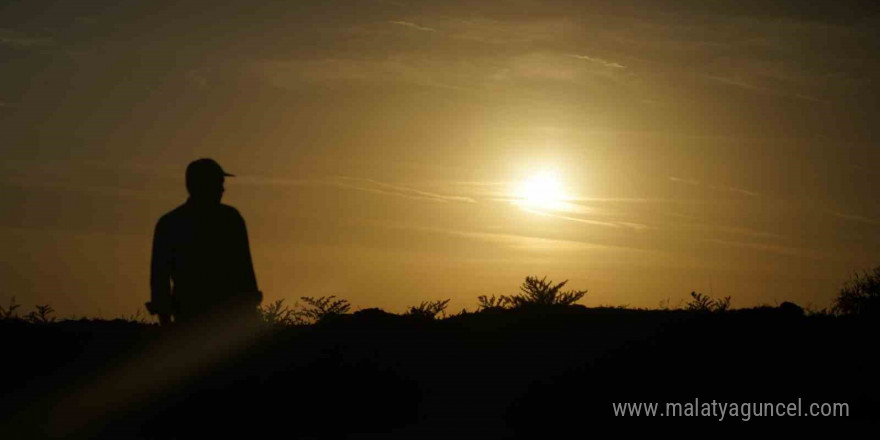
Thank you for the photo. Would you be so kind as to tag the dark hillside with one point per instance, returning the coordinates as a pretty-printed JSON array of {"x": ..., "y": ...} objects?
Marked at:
[{"x": 496, "y": 373}]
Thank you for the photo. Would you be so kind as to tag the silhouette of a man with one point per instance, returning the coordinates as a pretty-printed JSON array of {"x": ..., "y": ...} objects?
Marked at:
[{"x": 202, "y": 248}]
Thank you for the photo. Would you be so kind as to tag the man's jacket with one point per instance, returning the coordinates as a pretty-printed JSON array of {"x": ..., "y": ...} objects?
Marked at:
[{"x": 203, "y": 250}]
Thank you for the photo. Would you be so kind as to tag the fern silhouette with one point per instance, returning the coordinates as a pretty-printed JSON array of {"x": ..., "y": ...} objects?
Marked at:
[
  {"x": 277, "y": 313},
  {"x": 492, "y": 303},
  {"x": 536, "y": 291},
  {"x": 41, "y": 315},
  {"x": 324, "y": 307},
  {"x": 429, "y": 309},
  {"x": 9, "y": 312},
  {"x": 704, "y": 303}
]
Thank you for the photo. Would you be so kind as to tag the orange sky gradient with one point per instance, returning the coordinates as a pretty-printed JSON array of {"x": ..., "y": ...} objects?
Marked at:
[{"x": 380, "y": 146}]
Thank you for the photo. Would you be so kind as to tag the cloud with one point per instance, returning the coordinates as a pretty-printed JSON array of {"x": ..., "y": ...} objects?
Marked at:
[
  {"x": 736, "y": 190},
  {"x": 599, "y": 61},
  {"x": 857, "y": 218},
  {"x": 374, "y": 186},
  {"x": 638, "y": 227},
  {"x": 403, "y": 68},
  {"x": 512, "y": 32},
  {"x": 412, "y": 25},
  {"x": 637, "y": 200},
  {"x": 23, "y": 41},
  {"x": 685, "y": 181},
  {"x": 726, "y": 229},
  {"x": 693, "y": 182},
  {"x": 516, "y": 241},
  {"x": 359, "y": 184},
  {"x": 772, "y": 248},
  {"x": 766, "y": 90},
  {"x": 395, "y": 190}
]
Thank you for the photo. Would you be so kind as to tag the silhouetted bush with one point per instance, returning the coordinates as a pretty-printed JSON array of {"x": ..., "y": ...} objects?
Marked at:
[
  {"x": 42, "y": 315},
  {"x": 277, "y": 313},
  {"x": 704, "y": 303},
  {"x": 543, "y": 292},
  {"x": 860, "y": 295},
  {"x": 492, "y": 303},
  {"x": 791, "y": 309},
  {"x": 324, "y": 307},
  {"x": 428, "y": 309},
  {"x": 9, "y": 312}
]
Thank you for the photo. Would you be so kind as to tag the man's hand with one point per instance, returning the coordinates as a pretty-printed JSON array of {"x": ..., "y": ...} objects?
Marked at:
[{"x": 164, "y": 319}]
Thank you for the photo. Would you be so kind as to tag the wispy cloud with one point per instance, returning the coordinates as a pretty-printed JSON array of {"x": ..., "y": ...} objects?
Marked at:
[
  {"x": 760, "y": 89},
  {"x": 693, "y": 182},
  {"x": 511, "y": 32},
  {"x": 25, "y": 42},
  {"x": 515, "y": 241},
  {"x": 685, "y": 181},
  {"x": 857, "y": 218},
  {"x": 359, "y": 184},
  {"x": 736, "y": 190},
  {"x": 609, "y": 224},
  {"x": 734, "y": 230},
  {"x": 20, "y": 40},
  {"x": 573, "y": 219},
  {"x": 412, "y": 25},
  {"x": 637, "y": 200},
  {"x": 599, "y": 61},
  {"x": 370, "y": 185},
  {"x": 772, "y": 248},
  {"x": 402, "y": 68}
]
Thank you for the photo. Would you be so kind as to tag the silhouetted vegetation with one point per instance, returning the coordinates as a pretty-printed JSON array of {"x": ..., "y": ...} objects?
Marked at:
[
  {"x": 860, "y": 295},
  {"x": 278, "y": 313},
  {"x": 511, "y": 373},
  {"x": 492, "y": 303},
  {"x": 543, "y": 292},
  {"x": 704, "y": 303},
  {"x": 10, "y": 311},
  {"x": 324, "y": 307},
  {"x": 42, "y": 314},
  {"x": 138, "y": 316},
  {"x": 533, "y": 292},
  {"x": 429, "y": 309}
]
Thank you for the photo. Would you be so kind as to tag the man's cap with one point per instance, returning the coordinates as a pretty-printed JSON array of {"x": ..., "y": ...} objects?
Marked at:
[{"x": 204, "y": 168}]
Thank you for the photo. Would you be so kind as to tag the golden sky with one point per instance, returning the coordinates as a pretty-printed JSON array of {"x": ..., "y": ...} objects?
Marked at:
[{"x": 382, "y": 147}]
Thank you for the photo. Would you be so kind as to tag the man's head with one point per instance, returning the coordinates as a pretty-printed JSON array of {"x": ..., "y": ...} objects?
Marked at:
[{"x": 204, "y": 180}]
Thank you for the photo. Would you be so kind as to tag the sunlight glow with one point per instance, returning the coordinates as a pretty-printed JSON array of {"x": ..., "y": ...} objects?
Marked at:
[{"x": 541, "y": 191}]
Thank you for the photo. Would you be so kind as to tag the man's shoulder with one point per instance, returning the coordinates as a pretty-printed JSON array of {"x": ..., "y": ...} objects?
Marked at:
[
  {"x": 173, "y": 215},
  {"x": 230, "y": 213},
  {"x": 229, "y": 210},
  {"x": 185, "y": 213}
]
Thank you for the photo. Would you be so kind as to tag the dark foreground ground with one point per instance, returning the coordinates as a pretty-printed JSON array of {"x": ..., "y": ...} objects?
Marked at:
[{"x": 535, "y": 373}]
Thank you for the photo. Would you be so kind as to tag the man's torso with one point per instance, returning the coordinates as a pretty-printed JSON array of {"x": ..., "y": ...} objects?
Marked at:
[{"x": 209, "y": 259}]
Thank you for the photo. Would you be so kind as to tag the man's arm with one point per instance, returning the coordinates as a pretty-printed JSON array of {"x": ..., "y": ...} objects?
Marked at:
[
  {"x": 160, "y": 274},
  {"x": 248, "y": 278}
]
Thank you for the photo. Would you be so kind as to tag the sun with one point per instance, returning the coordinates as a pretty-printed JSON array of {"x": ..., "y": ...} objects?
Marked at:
[{"x": 542, "y": 191}]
